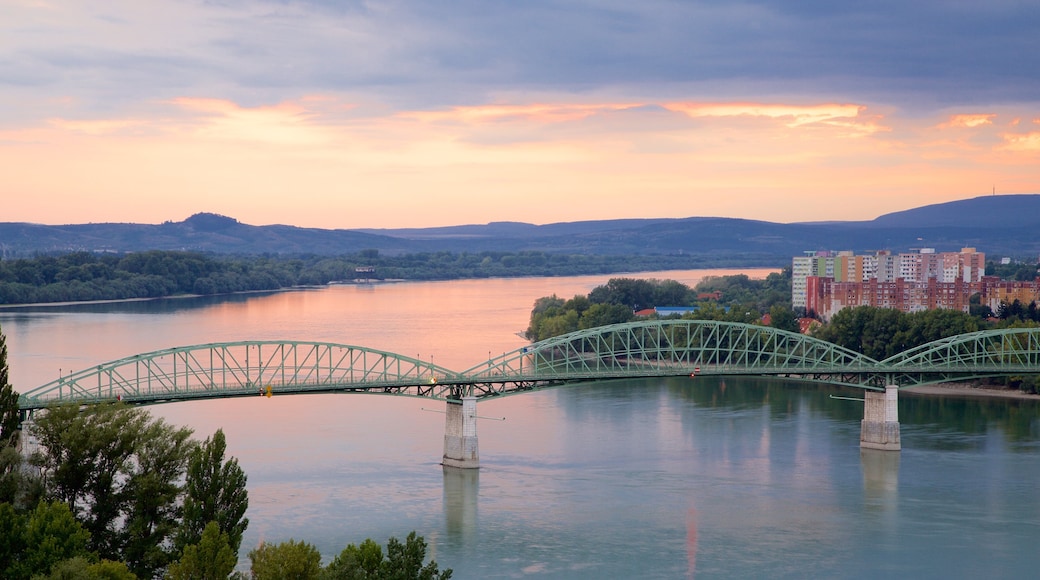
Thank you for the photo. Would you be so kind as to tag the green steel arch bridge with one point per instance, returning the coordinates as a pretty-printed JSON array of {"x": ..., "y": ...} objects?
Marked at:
[{"x": 652, "y": 348}]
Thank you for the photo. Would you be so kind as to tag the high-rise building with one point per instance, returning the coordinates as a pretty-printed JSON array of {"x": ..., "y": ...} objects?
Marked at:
[{"x": 826, "y": 282}]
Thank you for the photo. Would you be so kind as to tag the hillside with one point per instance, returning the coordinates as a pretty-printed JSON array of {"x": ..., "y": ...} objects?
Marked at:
[{"x": 998, "y": 225}]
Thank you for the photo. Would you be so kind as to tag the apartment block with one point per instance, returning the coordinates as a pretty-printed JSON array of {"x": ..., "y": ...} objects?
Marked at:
[{"x": 910, "y": 282}]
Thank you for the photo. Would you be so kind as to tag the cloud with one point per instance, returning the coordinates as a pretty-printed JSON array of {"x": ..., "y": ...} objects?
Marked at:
[
  {"x": 420, "y": 55},
  {"x": 1027, "y": 142},
  {"x": 593, "y": 109},
  {"x": 969, "y": 120}
]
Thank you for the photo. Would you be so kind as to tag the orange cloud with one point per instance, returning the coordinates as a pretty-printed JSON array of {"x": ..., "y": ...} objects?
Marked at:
[
  {"x": 829, "y": 114},
  {"x": 305, "y": 162},
  {"x": 287, "y": 123},
  {"x": 976, "y": 120},
  {"x": 1028, "y": 142},
  {"x": 536, "y": 112}
]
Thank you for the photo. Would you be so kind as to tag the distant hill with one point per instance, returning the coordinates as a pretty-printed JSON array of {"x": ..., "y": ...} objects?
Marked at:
[{"x": 1007, "y": 225}]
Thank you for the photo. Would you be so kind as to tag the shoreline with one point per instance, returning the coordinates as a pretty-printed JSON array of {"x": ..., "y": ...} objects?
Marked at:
[{"x": 969, "y": 390}]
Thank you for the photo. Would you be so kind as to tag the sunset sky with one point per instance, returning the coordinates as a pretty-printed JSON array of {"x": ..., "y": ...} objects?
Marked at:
[{"x": 406, "y": 113}]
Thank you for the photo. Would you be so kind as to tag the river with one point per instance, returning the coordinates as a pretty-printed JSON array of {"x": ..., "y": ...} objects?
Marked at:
[{"x": 663, "y": 478}]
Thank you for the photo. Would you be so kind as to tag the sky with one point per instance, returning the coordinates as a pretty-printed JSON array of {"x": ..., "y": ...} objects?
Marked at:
[{"x": 346, "y": 114}]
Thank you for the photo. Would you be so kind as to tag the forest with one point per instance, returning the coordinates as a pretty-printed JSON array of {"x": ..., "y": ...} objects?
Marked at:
[{"x": 86, "y": 276}]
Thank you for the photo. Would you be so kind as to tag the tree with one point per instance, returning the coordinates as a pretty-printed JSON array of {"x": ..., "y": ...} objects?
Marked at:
[
  {"x": 603, "y": 314},
  {"x": 51, "y": 535},
  {"x": 290, "y": 560},
  {"x": 405, "y": 561},
  {"x": 211, "y": 559},
  {"x": 9, "y": 419},
  {"x": 215, "y": 491},
  {"x": 118, "y": 472},
  {"x": 402, "y": 562},
  {"x": 153, "y": 491},
  {"x": 80, "y": 568},
  {"x": 356, "y": 562},
  {"x": 782, "y": 317},
  {"x": 12, "y": 539}
]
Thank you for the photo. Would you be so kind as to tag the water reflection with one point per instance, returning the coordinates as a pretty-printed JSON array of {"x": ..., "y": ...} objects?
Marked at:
[
  {"x": 169, "y": 305},
  {"x": 880, "y": 479},
  {"x": 461, "y": 490}
]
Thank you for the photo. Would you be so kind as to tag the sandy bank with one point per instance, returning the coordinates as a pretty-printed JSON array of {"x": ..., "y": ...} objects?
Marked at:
[{"x": 968, "y": 390}]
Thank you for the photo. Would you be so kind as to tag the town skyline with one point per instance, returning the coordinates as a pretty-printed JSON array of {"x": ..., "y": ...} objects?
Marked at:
[{"x": 404, "y": 115}]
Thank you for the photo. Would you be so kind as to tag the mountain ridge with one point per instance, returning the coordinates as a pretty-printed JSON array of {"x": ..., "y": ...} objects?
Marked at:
[{"x": 1004, "y": 224}]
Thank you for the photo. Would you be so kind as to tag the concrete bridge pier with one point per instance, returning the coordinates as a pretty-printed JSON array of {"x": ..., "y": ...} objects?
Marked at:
[
  {"x": 460, "y": 434},
  {"x": 880, "y": 426}
]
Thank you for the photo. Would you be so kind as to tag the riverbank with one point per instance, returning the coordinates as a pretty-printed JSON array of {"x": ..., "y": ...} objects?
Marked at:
[{"x": 969, "y": 390}]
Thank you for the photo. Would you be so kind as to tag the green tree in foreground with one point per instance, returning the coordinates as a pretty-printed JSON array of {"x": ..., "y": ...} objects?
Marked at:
[
  {"x": 289, "y": 560},
  {"x": 8, "y": 401},
  {"x": 49, "y": 535},
  {"x": 119, "y": 472},
  {"x": 16, "y": 486},
  {"x": 356, "y": 562},
  {"x": 211, "y": 559},
  {"x": 80, "y": 568},
  {"x": 215, "y": 491},
  {"x": 403, "y": 561}
]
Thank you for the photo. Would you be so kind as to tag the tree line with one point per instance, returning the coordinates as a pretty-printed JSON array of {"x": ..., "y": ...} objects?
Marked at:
[
  {"x": 736, "y": 298},
  {"x": 111, "y": 493},
  {"x": 82, "y": 276}
]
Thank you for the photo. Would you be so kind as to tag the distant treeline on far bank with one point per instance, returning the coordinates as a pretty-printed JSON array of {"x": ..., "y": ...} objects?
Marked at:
[{"x": 83, "y": 276}]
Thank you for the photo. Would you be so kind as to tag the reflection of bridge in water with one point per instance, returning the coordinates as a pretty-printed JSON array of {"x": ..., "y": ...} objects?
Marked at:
[{"x": 657, "y": 348}]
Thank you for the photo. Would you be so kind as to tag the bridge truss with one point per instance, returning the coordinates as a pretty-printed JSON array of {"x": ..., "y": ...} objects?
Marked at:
[{"x": 652, "y": 348}]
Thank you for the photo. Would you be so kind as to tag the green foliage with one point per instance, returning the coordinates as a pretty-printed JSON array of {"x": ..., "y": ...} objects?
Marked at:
[
  {"x": 18, "y": 486},
  {"x": 403, "y": 561},
  {"x": 289, "y": 560},
  {"x": 212, "y": 558},
  {"x": 12, "y": 539},
  {"x": 119, "y": 471},
  {"x": 9, "y": 419},
  {"x": 215, "y": 491},
  {"x": 1016, "y": 311},
  {"x": 783, "y": 318},
  {"x": 356, "y": 562},
  {"x": 883, "y": 332},
  {"x": 751, "y": 295},
  {"x": 743, "y": 300},
  {"x": 154, "y": 274},
  {"x": 80, "y": 568},
  {"x": 1021, "y": 271},
  {"x": 51, "y": 535}
]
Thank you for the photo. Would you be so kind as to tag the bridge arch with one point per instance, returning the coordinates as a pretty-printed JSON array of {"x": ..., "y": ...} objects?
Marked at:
[
  {"x": 244, "y": 368},
  {"x": 984, "y": 353},
  {"x": 667, "y": 348}
]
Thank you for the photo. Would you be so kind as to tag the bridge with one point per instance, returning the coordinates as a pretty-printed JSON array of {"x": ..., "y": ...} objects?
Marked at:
[{"x": 651, "y": 348}]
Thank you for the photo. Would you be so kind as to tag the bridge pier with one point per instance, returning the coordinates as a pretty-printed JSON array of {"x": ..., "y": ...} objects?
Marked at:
[
  {"x": 460, "y": 434},
  {"x": 880, "y": 426}
]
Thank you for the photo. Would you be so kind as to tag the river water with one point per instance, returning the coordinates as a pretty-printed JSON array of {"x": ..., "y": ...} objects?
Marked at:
[{"x": 663, "y": 478}]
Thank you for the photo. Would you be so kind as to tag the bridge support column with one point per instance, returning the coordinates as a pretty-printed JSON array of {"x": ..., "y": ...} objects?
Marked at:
[
  {"x": 880, "y": 426},
  {"x": 460, "y": 434}
]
